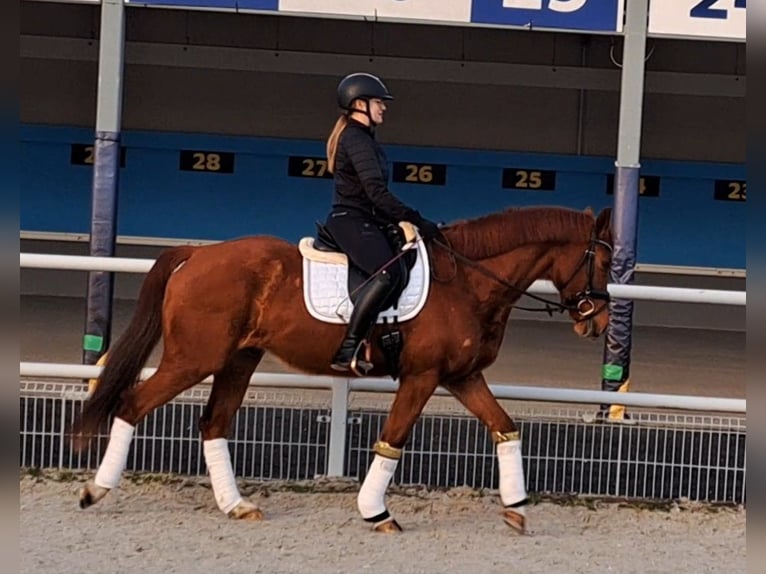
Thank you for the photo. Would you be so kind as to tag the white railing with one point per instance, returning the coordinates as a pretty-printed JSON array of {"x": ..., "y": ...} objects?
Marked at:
[
  {"x": 62, "y": 237},
  {"x": 341, "y": 387},
  {"x": 638, "y": 292},
  {"x": 501, "y": 390}
]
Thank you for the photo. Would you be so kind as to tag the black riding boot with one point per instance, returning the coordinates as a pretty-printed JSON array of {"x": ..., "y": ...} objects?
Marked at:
[{"x": 366, "y": 310}]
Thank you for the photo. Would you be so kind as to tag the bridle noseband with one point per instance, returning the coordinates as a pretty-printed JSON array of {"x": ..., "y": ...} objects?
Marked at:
[{"x": 582, "y": 302}]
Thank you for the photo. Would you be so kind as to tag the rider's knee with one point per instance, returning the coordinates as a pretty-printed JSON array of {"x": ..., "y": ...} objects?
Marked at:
[{"x": 391, "y": 277}]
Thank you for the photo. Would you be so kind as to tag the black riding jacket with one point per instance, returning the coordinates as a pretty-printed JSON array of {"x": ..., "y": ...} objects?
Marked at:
[{"x": 361, "y": 176}]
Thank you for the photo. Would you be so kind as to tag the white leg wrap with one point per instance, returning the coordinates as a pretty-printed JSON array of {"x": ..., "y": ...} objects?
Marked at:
[
  {"x": 116, "y": 455},
  {"x": 218, "y": 462},
  {"x": 512, "y": 489},
  {"x": 371, "y": 499}
]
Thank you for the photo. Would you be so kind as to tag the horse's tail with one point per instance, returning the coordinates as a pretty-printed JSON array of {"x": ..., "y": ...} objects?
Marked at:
[{"x": 131, "y": 351}]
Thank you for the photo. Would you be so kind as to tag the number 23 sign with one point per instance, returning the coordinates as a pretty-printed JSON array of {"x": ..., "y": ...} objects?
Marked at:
[{"x": 720, "y": 19}]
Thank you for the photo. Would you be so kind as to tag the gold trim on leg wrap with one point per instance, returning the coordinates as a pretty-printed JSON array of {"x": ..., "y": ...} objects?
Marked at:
[
  {"x": 384, "y": 449},
  {"x": 498, "y": 436}
]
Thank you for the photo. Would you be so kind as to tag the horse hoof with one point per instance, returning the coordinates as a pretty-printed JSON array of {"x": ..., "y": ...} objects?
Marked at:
[
  {"x": 91, "y": 493},
  {"x": 515, "y": 520},
  {"x": 246, "y": 511},
  {"x": 388, "y": 527}
]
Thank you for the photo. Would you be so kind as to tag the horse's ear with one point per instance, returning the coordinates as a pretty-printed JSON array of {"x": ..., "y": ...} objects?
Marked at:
[
  {"x": 604, "y": 225},
  {"x": 589, "y": 211}
]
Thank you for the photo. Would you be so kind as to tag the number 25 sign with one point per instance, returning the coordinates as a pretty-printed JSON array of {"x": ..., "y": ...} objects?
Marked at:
[{"x": 590, "y": 15}]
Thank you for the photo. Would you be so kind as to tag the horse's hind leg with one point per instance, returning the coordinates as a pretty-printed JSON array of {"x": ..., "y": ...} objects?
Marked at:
[
  {"x": 166, "y": 383},
  {"x": 229, "y": 386},
  {"x": 476, "y": 396},
  {"x": 412, "y": 396}
]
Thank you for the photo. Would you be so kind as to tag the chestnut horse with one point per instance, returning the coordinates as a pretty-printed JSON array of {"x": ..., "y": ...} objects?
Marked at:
[{"x": 220, "y": 307}]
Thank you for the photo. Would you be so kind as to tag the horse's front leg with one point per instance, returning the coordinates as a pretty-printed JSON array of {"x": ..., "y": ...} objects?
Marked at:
[
  {"x": 411, "y": 397},
  {"x": 475, "y": 395}
]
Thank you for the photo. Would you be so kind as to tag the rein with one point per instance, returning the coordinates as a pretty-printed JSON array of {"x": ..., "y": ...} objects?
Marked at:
[{"x": 581, "y": 303}]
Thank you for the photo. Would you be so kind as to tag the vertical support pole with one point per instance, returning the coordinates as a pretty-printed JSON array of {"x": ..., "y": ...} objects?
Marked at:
[
  {"x": 617, "y": 347},
  {"x": 106, "y": 171},
  {"x": 338, "y": 426}
]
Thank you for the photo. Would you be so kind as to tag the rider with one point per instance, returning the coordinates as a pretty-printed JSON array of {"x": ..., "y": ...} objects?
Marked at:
[{"x": 362, "y": 203}]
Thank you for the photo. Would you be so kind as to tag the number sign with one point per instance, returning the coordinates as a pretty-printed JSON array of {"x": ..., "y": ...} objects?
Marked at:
[
  {"x": 648, "y": 185},
  {"x": 721, "y": 19},
  {"x": 730, "y": 190},
  {"x": 85, "y": 154},
  {"x": 299, "y": 166},
  {"x": 529, "y": 179},
  {"x": 206, "y": 161},
  {"x": 423, "y": 173}
]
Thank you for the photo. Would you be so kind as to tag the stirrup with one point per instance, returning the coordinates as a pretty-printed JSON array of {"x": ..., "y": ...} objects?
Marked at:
[{"x": 361, "y": 367}]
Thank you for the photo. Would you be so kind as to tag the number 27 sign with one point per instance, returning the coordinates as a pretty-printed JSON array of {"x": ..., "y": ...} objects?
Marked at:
[{"x": 720, "y": 19}]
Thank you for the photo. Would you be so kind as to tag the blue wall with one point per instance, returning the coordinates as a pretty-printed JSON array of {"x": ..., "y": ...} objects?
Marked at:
[{"x": 684, "y": 225}]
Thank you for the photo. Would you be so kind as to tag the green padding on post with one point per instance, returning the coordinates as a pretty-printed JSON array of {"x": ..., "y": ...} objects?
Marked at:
[
  {"x": 611, "y": 372},
  {"x": 93, "y": 343}
]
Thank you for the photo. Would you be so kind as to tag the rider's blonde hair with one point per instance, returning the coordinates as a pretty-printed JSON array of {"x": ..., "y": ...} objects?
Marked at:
[{"x": 332, "y": 140}]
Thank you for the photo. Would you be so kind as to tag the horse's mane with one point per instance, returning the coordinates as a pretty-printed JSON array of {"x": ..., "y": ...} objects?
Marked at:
[{"x": 496, "y": 233}]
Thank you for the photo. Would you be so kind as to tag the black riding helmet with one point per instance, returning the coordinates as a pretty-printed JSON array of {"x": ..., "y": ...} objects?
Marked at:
[{"x": 361, "y": 85}]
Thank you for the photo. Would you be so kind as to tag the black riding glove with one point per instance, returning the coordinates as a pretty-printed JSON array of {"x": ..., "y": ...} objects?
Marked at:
[{"x": 428, "y": 229}]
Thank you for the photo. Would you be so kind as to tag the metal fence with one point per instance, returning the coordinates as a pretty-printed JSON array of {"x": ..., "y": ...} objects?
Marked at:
[{"x": 700, "y": 457}]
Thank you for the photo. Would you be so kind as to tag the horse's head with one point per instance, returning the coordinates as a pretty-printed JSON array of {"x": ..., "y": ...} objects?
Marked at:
[{"x": 582, "y": 276}]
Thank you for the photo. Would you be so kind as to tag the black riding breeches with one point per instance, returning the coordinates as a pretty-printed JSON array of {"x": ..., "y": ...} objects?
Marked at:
[{"x": 364, "y": 242}]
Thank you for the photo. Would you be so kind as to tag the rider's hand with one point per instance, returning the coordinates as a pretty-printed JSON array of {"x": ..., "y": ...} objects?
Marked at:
[{"x": 428, "y": 229}]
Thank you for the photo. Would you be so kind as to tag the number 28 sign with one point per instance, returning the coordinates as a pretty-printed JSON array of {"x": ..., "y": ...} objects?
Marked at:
[{"x": 720, "y": 19}]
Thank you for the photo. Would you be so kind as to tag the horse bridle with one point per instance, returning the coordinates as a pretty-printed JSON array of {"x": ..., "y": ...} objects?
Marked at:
[{"x": 582, "y": 302}]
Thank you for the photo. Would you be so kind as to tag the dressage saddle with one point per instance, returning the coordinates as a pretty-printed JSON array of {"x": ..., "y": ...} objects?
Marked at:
[
  {"x": 391, "y": 341},
  {"x": 324, "y": 241}
]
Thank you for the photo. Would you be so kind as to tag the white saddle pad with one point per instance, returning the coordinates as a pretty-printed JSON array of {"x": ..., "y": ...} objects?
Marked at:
[{"x": 325, "y": 285}]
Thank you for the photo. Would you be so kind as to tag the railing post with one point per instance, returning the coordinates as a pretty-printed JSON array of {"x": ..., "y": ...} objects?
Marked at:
[{"x": 338, "y": 424}]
